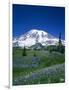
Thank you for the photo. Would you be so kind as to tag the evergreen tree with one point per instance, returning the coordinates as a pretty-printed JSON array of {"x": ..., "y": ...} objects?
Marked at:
[
  {"x": 24, "y": 51},
  {"x": 34, "y": 54},
  {"x": 60, "y": 42},
  {"x": 60, "y": 46}
]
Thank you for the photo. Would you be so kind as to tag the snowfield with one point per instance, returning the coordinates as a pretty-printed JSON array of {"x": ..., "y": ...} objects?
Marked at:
[{"x": 35, "y": 36}]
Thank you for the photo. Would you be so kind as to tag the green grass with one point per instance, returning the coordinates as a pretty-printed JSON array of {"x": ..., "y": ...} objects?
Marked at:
[{"x": 46, "y": 59}]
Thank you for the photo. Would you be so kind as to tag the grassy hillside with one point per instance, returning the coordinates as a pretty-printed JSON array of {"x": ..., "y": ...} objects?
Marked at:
[{"x": 43, "y": 59}]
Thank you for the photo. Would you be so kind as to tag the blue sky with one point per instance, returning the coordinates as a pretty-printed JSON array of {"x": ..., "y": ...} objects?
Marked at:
[{"x": 49, "y": 19}]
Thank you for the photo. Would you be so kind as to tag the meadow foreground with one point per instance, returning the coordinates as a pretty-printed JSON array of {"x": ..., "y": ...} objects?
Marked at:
[{"x": 43, "y": 67}]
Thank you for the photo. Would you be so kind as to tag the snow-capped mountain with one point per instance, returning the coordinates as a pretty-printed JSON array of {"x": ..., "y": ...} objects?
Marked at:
[{"x": 35, "y": 36}]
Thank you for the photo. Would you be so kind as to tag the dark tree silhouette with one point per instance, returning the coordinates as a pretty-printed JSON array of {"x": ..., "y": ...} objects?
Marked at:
[
  {"x": 24, "y": 52},
  {"x": 34, "y": 54},
  {"x": 60, "y": 42},
  {"x": 61, "y": 48}
]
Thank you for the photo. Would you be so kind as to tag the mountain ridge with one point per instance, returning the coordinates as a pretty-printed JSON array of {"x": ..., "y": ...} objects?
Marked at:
[{"x": 35, "y": 36}]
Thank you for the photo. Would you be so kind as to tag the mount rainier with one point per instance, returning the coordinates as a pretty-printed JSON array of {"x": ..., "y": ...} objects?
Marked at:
[{"x": 35, "y": 36}]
